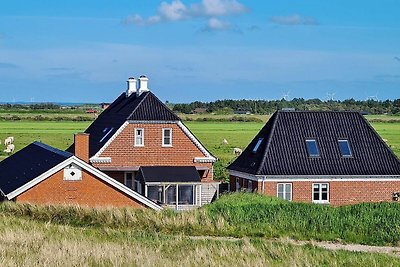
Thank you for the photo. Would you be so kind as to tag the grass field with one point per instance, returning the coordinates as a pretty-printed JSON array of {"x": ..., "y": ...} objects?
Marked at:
[
  {"x": 239, "y": 134},
  {"x": 76, "y": 236}
]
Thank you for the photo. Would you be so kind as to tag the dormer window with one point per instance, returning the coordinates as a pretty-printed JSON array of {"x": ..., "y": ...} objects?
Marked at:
[
  {"x": 345, "y": 148},
  {"x": 312, "y": 148},
  {"x": 167, "y": 137},
  {"x": 139, "y": 137}
]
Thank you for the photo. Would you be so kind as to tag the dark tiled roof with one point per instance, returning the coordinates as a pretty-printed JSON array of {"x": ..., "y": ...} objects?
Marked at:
[
  {"x": 166, "y": 174},
  {"x": 27, "y": 164},
  {"x": 146, "y": 107},
  {"x": 283, "y": 150}
]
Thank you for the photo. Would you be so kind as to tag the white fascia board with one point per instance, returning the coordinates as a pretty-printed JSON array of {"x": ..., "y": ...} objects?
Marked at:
[
  {"x": 147, "y": 202},
  {"x": 207, "y": 154},
  {"x": 316, "y": 178},
  {"x": 108, "y": 143},
  {"x": 100, "y": 160}
]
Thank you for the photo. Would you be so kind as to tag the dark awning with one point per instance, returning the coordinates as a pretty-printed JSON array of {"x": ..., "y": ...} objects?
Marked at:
[{"x": 169, "y": 174}]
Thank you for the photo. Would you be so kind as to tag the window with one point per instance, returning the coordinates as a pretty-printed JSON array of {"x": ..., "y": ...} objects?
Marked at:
[
  {"x": 167, "y": 137},
  {"x": 139, "y": 137},
  {"x": 345, "y": 148},
  {"x": 284, "y": 191},
  {"x": 250, "y": 186},
  {"x": 257, "y": 146},
  {"x": 129, "y": 180},
  {"x": 185, "y": 195},
  {"x": 237, "y": 184},
  {"x": 321, "y": 193},
  {"x": 170, "y": 195},
  {"x": 72, "y": 173},
  {"x": 312, "y": 148},
  {"x": 156, "y": 193}
]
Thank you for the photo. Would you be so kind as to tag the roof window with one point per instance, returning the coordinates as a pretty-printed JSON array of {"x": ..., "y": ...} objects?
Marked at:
[
  {"x": 344, "y": 147},
  {"x": 312, "y": 148},
  {"x": 257, "y": 146}
]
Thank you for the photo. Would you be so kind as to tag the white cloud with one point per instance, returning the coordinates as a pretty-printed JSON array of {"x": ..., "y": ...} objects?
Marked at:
[
  {"x": 294, "y": 20},
  {"x": 216, "y": 24},
  {"x": 178, "y": 11}
]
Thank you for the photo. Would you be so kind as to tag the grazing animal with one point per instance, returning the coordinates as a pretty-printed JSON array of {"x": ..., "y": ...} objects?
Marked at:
[
  {"x": 225, "y": 142},
  {"x": 9, "y": 141},
  {"x": 237, "y": 151},
  {"x": 10, "y": 149}
]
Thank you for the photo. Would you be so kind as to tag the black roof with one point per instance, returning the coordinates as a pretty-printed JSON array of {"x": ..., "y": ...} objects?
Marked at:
[
  {"x": 27, "y": 164},
  {"x": 166, "y": 174},
  {"x": 146, "y": 107},
  {"x": 283, "y": 149}
]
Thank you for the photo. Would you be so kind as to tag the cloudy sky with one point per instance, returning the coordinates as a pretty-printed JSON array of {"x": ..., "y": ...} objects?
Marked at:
[{"x": 84, "y": 51}]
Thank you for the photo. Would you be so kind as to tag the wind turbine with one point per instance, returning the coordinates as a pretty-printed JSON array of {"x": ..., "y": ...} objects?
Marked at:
[
  {"x": 286, "y": 96},
  {"x": 330, "y": 96}
]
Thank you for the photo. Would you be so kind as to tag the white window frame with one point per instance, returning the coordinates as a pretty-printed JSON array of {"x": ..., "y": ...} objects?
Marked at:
[
  {"x": 284, "y": 191},
  {"x": 135, "y": 183},
  {"x": 163, "y": 137},
  {"x": 320, "y": 193},
  {"x": 136, "y": 137},
  {"x": 250, "y": 186},
  {"x": 237, "y": 184}
]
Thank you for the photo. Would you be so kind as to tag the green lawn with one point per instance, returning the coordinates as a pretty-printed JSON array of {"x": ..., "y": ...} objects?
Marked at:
[{"x": 238, "y": 134}]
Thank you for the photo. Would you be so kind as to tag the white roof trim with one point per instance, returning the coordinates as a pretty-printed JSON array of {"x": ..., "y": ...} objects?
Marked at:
[
  {"x": 108, "y": 143},
  {"x": 204, "y": 160},
  {"x": 100, "y": 160},
  {"x": 207, "y": 154},
  {"x": 316, "y": 178},
  {"x": 147, "y": 202}
]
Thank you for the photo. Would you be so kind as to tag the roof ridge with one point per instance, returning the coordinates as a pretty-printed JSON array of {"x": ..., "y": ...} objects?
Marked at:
[
  {"x": 269, "y": 142},
  {"x": 165, "y": 106},
  {"x": 52, "y": 149},
  {"x": 138, "y": 105}
]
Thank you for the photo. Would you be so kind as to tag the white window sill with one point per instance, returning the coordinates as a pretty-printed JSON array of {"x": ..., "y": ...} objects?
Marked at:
[
  {"x": 166, "y": 145},
  {"x": 321, "y": 202},
  {"x": 139, "y": 145}
]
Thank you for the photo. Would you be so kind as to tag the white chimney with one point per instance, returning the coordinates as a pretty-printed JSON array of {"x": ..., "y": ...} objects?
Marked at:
[
  {"x": 132, "y": 87},
  {"x": 143, "y": 84}
]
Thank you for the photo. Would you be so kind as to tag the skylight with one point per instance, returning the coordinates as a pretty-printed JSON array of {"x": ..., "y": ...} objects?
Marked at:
[
  {"x": 312, "y": 148},
  {"x": 345, "y": 148},
  {"x": 257, "y": 146},
  {"x": 104, "y": 137}
]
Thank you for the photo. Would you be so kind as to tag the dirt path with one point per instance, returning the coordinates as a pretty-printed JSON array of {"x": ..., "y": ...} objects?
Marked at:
[{"x": 392, "y": 251}]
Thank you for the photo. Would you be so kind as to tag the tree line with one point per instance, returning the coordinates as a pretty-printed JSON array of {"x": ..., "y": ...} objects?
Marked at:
[{"x": 270, "y": 106}]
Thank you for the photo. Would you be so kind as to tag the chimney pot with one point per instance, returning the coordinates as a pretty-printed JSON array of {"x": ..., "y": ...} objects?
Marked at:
[
  {"x": 143, "y": 85},
  {"x": 132, "y": 87}
]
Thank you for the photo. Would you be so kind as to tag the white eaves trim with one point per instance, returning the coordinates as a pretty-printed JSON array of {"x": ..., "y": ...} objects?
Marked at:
[
  {"x": 97, "y": 157},
  {"x": 207, "y": 154},
  {"x": 100, "y": 160},
  {"x": 315, "y": 178},
  {"x": 147, "y": 202}
]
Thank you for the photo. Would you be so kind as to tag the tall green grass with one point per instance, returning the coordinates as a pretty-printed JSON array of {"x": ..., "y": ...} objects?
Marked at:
[{"x": 238, "y": 215}]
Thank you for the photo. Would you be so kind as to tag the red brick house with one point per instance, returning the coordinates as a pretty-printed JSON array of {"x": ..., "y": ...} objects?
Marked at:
[
  {"x": 333, "y": 158},
  {"x": 138, "y": 147}
]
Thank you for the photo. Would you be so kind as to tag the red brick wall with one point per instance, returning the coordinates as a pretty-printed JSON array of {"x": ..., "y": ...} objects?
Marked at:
[
  {"x": 340, "y": 193},
  {"x": 182, "y": 153},
  {"x": 90, "y": 191}
]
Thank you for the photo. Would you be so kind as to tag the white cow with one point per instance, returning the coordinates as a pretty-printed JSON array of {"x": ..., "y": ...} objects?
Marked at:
[
  {"x": 225, "y": 142},
  {"x": 10, "y": 149},
  {"x": 237, "y": 151},
  {"x": 9, "y": 141}
]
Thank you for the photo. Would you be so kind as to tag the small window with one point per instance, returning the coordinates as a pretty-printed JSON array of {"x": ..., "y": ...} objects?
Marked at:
[
  {"x": 257, "y": 146},
  {"x": 129, "y": 180},
  {"x": 284, "y": 191},
  {"x": 345, "y": 148},
  {"x": 139, "y": 137},
  {"x": 312, "y": 148},
  {"x": 250, "y": 186},
  {"x": 321, "y": 193},
  {"x": 167, "y": 137}
]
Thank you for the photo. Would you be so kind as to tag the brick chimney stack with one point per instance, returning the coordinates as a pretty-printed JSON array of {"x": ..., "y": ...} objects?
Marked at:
[{"x": 82, "y": 146}]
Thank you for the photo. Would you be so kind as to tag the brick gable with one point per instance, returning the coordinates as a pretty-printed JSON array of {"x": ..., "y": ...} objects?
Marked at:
[{"x": 124, "y": 154}]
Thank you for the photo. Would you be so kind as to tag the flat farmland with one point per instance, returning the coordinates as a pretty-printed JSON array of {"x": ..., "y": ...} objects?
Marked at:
[{"x": 60, "y": 134}]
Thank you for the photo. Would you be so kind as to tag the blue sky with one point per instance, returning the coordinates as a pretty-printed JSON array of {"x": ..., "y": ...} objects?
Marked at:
[{"x": 84, "y": 51}]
